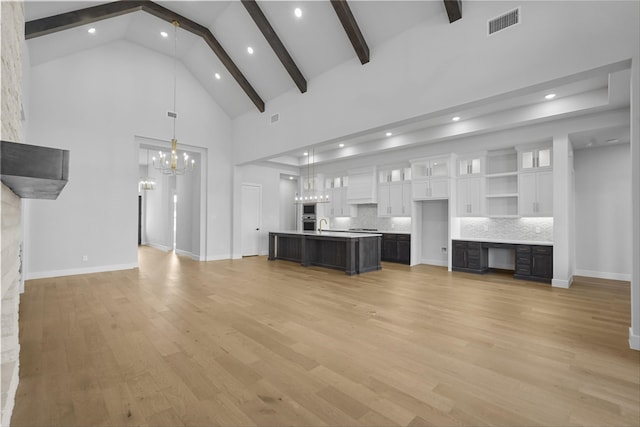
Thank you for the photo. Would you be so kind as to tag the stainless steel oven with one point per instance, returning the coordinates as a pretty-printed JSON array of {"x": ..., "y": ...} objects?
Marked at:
[
  {"x": 308, "y": 223},
  {"x": 309, "y": 209}
]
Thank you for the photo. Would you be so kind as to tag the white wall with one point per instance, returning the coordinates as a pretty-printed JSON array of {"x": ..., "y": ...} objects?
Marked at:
[
  {"x": 416, "y": 74},
  {"x": 269, "y": 179},
  {"x": 95, "y": 103},
  {"x": 288, "y": 211},
  {"x": 603, "y": 212}
]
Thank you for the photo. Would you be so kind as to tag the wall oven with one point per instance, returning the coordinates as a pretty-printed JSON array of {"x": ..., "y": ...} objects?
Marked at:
[{"x": 308, "y": 223}]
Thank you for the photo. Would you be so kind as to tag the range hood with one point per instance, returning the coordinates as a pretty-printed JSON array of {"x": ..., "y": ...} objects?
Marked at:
[{"x": 34, "y": 172}]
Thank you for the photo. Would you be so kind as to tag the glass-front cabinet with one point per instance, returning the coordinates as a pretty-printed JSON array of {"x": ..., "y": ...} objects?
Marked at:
[{"x": 394, "y": 192}]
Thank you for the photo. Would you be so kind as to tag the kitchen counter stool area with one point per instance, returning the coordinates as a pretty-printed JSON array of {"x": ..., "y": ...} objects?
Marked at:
[{"x": 354, "y": 253}]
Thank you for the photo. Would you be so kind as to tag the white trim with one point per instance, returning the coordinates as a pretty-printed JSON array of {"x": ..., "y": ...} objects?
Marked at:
[
  {"x": 436, "y": 262},
  {"x": 76, "y": 271},
  {"x": 159, "y": 247},
  {"x": 634, "y": 340},
  {"x": 217, "y": 257},
  {"x": 561, "y": 283},
  {"x": 604, "y": 275}
]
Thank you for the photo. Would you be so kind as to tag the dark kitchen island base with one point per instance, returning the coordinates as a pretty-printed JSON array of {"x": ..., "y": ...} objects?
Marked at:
[{"x": 353, "y": 253}]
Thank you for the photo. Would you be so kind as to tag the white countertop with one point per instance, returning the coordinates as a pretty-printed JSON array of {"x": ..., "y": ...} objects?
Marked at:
[
  {"x": 375, "y": 232},
  {"x": 512, "y": 242},
  {"x": 345, "y": 235}
]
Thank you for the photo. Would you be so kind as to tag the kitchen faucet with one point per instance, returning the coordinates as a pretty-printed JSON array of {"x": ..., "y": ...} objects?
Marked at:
[{"x": 323, "y": 219}]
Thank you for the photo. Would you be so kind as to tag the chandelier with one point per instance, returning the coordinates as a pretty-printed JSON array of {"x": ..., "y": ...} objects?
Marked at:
[
  {"x": 169, "y": 164},
  {"x": 147, "y": 182},
  {"x": 310, "y": 195}
]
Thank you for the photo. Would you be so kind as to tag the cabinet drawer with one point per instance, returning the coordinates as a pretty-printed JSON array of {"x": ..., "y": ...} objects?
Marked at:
[
  {"x": 523, "y": 270},
  {"x": 474, "y": 245},
  {"x": 523, "y": 260},
  {"x": 542, "y": 250},
  {"x": 404, "y": 237},
  {"x": 459, "y": 244},
  {"x": 523, "y": 249},
  {"x": 473, "y": 253}
]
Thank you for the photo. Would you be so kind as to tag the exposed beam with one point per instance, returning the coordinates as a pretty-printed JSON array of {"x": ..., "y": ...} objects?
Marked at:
[
  {"x": 351, "y": 27},
  {"x": 64, "y": 21},
  {"x": 454, "y": 9},
  {"x": 276, "y": 44}
]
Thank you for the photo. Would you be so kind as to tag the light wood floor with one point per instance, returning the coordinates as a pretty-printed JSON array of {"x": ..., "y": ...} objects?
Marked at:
[{"x": 253, "y": 342}]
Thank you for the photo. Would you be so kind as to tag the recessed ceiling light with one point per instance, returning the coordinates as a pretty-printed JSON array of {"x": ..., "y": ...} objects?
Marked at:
[
  {"x": 91, "y": 30},
  {"x": 298, "y": 12},
  {"x": 164, "y": 34},
  {"x": 550, "y": 96},
  {"x": 455, "y": 119},
  {"x": 388, "y": 134},
  {"x": 305, "y": 153},
  {"x": 340, "y": 145},
  {"x": 290, "y": 177},
  {"x": 217, "y": 76},
  {"x": 250, "y": 50}
]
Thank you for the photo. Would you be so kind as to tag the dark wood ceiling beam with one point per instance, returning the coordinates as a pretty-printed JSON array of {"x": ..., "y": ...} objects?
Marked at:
[
  {"x": 276, "y": 44},
  {"x": 64, "y": 21},
  {"x": 352, "y": 29},
  {"x": 76, "y": 18},
  {"x": 454, "y": 9}
]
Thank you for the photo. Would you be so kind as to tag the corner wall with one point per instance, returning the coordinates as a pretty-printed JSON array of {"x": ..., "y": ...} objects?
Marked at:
[{"x": 12, "y": 18}]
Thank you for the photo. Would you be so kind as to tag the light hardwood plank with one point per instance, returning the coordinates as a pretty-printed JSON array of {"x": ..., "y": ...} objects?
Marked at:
[{"x": 251, "y": 342}]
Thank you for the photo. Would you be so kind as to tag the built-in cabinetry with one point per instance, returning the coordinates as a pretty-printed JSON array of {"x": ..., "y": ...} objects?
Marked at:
[
  {"x": 430, "y": 178},
  {"x": 336, "y": 189},
  {"x": 501, "y": 184},
  {"x": 396, "y": 248},
  {"x": 394, "y": 192},
  {"x": 362, "y": 186},
  {"x": 535, "y": 182},
  {"x": 470, "y": 186},
  {"x": 469, "y": 257},
  {"x": 532, "y": 262}
]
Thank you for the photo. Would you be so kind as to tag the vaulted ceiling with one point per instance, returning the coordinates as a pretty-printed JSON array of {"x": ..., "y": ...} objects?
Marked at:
[{"x": 214, "y": 37}]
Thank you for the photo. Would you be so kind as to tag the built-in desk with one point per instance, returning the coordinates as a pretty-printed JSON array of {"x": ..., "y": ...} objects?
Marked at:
[{"x": 532, "y": 261}]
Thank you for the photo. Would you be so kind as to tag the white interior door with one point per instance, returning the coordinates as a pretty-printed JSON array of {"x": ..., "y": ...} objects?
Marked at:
[{"x": 251, "y": 215}]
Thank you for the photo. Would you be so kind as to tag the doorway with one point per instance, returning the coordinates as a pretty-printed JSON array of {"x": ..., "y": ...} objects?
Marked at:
[{"x": 251, "y": 219}]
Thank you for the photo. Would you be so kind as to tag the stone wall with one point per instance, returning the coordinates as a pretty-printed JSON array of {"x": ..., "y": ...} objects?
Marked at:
[{"x": 12, "y": 39}]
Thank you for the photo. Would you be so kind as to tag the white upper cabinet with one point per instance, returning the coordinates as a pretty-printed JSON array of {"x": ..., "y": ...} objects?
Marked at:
[
  {"x": 394, "y": 192},
  {"x": 336, "y": 189},
  {"x": 536, "y": 194},
  {"x": 470, "y": 195},
  {"x": 470, "y": 166},
  {"x": 430, "y": 178},
  {"x": 535, "y": 158}
]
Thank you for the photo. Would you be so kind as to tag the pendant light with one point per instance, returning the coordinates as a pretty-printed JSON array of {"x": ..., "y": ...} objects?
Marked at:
[
  {"x": 310, "y": 195},
  {"x": 168, "y": 164}
]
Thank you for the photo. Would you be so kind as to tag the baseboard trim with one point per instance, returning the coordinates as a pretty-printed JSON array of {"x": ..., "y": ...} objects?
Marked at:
[
  {"x": 604, "y": 275},
  {"x": 159, "y": 246},
  {"x": 217, "y": 257},
  {"x": 561, "y": 283},
  {"x": 634, "y": 340},
  {"x": 77, "y": 271},
  {"x": 436, "y": 262}
]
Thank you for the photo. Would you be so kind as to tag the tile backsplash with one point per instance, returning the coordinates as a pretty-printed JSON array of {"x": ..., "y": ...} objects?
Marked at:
[
  {"x": 368, "y": 218},
  {"x": 530, "y": 229}
]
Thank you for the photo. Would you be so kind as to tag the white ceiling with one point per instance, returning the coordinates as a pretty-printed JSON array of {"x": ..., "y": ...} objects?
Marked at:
[{"x": 317, "y": 42}]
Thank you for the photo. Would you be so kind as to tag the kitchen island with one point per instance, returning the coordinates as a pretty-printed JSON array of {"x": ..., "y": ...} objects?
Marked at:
[{"x": 354, "y": 253}]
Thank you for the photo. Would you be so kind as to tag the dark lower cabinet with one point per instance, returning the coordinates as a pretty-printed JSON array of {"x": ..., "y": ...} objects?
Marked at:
[
  {"x": 396, "y": 248},
  {"x": 532, "y": 262},
  {"x": 469, "y": 256}
]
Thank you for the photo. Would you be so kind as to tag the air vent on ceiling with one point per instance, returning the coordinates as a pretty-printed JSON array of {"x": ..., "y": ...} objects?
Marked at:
[
  {"x": 275, "y": 118},
  {"x": 503, "y": 21}
]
